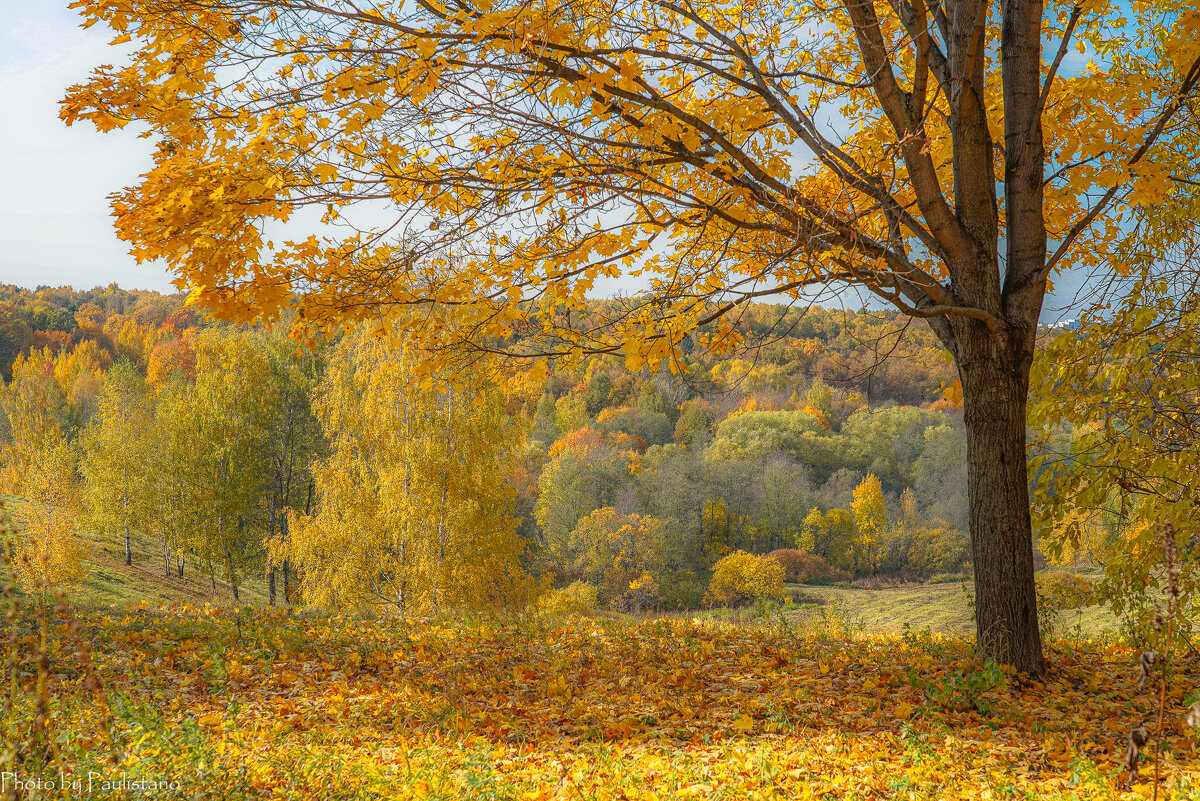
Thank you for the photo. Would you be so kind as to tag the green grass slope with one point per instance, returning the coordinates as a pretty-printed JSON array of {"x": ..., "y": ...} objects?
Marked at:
[
  {"x": 943, "y": 608},
  {"x": 110, "y": 582}
]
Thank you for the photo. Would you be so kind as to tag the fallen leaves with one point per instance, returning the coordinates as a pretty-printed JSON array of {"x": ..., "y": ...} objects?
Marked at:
[{"x": 291, "y": 706}]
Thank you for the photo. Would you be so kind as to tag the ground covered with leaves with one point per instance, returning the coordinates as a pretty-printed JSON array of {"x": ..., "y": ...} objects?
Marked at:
[{"x": 205, "y": 703}]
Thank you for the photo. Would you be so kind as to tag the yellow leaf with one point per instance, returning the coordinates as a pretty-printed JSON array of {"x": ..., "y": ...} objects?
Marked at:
[
  {"x": 211, "y": 720},
  {"x": 904, "y": 710},
  {"x": 743, "y": 724}
]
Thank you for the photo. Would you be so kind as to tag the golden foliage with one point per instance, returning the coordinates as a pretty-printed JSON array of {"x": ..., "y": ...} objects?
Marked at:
[
  {"x": 742, "y": 576},
  {"x": 415, "y": 501},
  {"x": 50, "y": 553}
]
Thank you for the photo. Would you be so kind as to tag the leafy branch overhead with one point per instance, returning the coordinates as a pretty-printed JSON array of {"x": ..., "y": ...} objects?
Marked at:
[{"x": 481, "y": 154}]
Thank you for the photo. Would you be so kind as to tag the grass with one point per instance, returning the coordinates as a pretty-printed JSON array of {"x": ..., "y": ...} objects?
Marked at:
[
  {"x": 940, "y": 607},
  {"x": 110, "y": 582}
]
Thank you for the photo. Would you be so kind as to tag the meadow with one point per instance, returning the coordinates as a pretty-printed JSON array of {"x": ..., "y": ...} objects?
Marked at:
[{"x": 210, "y": 702}]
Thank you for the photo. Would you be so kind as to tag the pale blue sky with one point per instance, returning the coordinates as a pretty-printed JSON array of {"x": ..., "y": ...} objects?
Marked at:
[
  {"x": 55, "y": 226},
  {"x": 54, "y": 216}
]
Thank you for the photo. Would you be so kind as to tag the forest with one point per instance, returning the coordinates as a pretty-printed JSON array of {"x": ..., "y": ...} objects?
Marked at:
[
  {"x": 637, "y": 399},
  {"x": 344, "y": 482}
]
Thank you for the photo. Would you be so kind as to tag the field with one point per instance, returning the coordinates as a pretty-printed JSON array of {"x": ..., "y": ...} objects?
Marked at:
[
  {"x": 942, "y": 608},
  {"x": 212, "y": 704}
]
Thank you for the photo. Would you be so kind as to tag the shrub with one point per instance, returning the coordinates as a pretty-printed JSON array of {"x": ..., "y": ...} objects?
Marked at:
[
  {"x": 1061, "y": 589},
  {"x": 807, "y": 568},
  {"x": 741, "y": 577},
  {"x": 681, "y": 589},
  {"x": 642, "y": 594},
  {"x": 577, "y": 598}
]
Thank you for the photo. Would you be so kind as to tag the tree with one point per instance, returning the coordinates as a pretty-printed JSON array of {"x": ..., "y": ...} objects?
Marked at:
[
  {"x": 1119, "y": 450},
  {"x": 37, "y": 412},
  {"x": 615, "y": 549},
  {"x": 293, "y": 440},
  {"x": 117, "y": 454},
  {"x": 870, "y": 521},
  {"x": 832, "y": 536},
  {"x": 40, "y": 466},
  {"x": 177, "y": 474},
  {"x": 170, "y": 357},
  {"x": 16, "y": 337},
  {"x": 585, "y": 472},
  {"x": 50, "y": 555},
  {"x": 231, "y": 405},
  {"x": 694, "y": 427},
  {"x": 522, "y": 151},
  {"x": 785, "y": 501},
  {"x": 414, "y": 499}
]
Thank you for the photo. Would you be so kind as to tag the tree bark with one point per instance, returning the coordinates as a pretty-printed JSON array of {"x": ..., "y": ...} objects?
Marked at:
[
  {"x": 994, "y": 370},
  {"x": 233, "y": 587}
]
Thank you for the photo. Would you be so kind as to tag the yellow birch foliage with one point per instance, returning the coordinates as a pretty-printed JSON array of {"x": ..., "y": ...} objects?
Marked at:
[
  {"x": 870, "y": 519},
  {"x": 118, "y": 454},
  {"x": 1118, "y": 449},
  {"x": 39, "y": 466},
  {"x": 415, "y": 501},
  {"x": 50, "y": 552}
]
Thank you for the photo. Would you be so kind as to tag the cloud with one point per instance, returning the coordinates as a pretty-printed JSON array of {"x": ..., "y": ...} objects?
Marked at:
[{"x": 55, "y": 223}]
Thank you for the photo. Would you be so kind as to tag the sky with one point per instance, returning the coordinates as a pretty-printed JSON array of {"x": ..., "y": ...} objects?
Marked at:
[
  {"x": 55, "y": 226},
  {"x": 55, "y": 223}
]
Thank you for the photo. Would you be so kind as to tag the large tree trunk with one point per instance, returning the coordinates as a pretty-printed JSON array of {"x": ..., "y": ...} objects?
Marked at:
[{"x": 994, "y": 369}]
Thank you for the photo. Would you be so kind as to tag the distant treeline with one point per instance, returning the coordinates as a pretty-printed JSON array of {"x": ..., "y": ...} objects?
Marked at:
[{"x": 832, "y": 436}]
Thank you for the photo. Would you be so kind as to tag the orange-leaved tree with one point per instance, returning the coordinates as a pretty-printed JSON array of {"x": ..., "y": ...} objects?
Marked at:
[{"x": 480, "y": 164}]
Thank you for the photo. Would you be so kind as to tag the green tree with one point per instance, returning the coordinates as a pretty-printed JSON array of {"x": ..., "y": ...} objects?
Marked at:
[
  {"x": 118, "y": 450},
  {"x": 694, "y": 426},
  {"x": 585, "y": 472}
]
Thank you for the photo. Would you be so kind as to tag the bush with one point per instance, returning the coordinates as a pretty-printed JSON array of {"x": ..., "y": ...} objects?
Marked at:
[
  {"x": 681, "y": 589},
  {"x": 641, "y": 595},
  {"x": 807, "y": 568},
  {"x": 578, "y": 598},
  {"x": 741, "y": 577},
  {"x": 1061, "y": 589}
]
